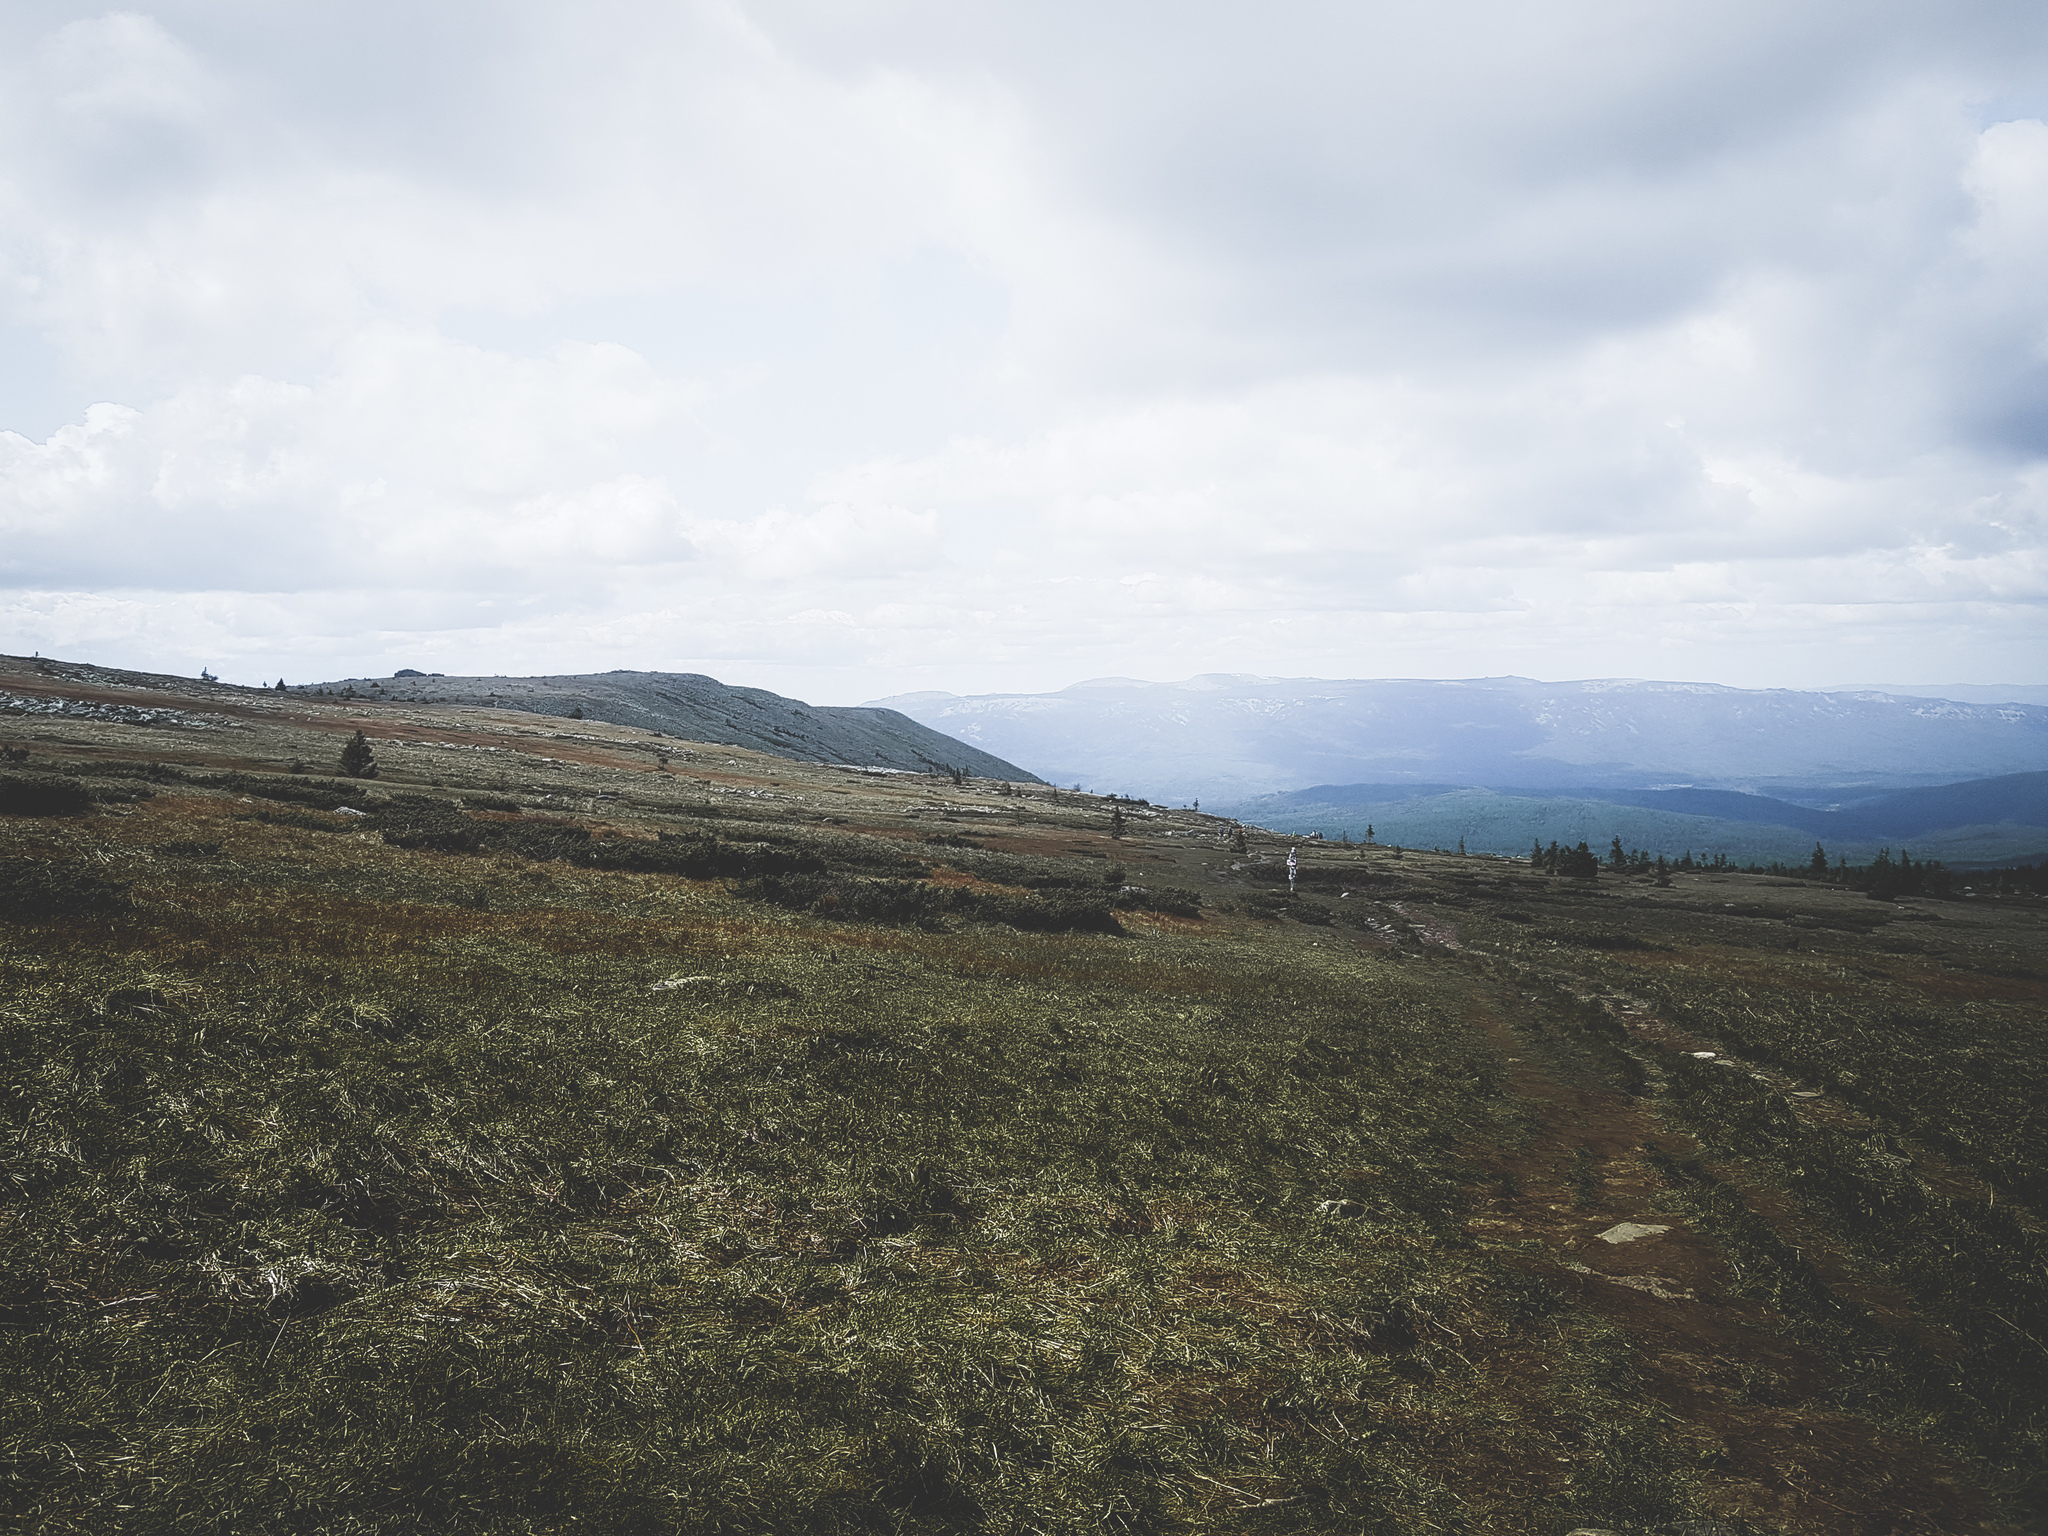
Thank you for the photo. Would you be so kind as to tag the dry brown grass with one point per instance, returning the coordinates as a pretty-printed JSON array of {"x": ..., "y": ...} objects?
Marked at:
[{"x": 369, "y": 1189}]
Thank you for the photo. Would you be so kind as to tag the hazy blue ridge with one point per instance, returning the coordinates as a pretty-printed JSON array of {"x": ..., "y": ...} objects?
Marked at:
[
  {"x": 2020, "y": 798},
  {"x": 1229, "y": 737},
  {"x": 1968, "y": 693}
]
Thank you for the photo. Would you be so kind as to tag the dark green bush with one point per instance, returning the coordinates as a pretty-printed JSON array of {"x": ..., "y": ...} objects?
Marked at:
[
  {"x": 1040, "y": 912},
  {"x": 327, "y": 796},
  {"x": 703, "y": 858},
  {"x": 867, "y": 901},
  {"x": 542, "y": 840},
  {"x": 1612, "y": 942},
  {"x": 915, "y": 902},
  {"x": 358, "y": 761},
  {"x": 42, "y": 795},
  {"x": 416, "y": 821},
  {"x": 117, "y": 768},
  {"x": 34, "y": 889},
  {"x": 1173, "y": 903}
]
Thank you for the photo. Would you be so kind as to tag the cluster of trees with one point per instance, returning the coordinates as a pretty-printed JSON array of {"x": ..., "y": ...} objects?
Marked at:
[
  {"x": 1581, "y": 863},
  {"x": 1883, "y": 878},
  {"x": 1633, "y": 861},
  {"x": 1584, "y": 864}
]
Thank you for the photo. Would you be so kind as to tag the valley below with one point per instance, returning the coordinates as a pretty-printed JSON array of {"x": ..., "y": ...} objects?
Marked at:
[{"x": 580, "y": 1127}]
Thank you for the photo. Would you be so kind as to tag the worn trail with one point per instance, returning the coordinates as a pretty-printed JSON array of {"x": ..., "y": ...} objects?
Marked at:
[{"x": 1583, "y": 1204}]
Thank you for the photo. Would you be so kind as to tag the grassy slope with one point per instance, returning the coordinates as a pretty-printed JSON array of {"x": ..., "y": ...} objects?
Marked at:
[{"x": 354, "y": 1187}]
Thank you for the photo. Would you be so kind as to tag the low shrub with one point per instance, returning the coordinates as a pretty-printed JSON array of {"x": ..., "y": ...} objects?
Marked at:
[
  {"x": 1613, "y": 942},
  {"x": 322, "y": 796},
  {"x": 905, "y": 902},
  {"x": 32, "y": 890},
  {"x": 42, "y": 795},
  {"x": 1171, "y": 902},
  {"x": 1040, "y": 912},
  {"x": 918, "y": 903},
  {"x": 118, "y": 768},
  {"x": 416, "y": 821}
]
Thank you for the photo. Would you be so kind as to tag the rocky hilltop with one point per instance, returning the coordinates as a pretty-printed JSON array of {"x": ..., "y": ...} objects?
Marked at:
[{"x": 694, "y": 707}]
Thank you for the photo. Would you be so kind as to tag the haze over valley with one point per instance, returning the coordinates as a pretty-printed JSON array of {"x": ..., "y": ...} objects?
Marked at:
[{"x": 1498, "y": 762}]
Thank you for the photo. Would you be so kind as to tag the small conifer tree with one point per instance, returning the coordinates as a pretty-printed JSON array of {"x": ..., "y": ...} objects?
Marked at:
[
  {"x": 357, "y": 760},
  {"x": 1819, "y": 862}
]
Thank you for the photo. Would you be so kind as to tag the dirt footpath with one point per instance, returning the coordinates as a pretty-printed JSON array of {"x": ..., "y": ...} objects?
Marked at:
[{"x": 1580, "y": 1207}]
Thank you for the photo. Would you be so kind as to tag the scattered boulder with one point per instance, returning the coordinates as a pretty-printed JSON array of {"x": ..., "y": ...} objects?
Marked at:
[{"x": 1630, "y": 1231}]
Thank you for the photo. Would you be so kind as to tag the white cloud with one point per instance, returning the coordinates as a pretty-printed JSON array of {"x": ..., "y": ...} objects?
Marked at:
[
  {"x": 420, "y": 462},
  {"x": 888, "y": 345}
]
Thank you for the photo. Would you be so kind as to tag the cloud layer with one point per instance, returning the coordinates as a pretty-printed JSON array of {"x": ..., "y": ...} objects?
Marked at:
[{"x": 856, "y": 348}]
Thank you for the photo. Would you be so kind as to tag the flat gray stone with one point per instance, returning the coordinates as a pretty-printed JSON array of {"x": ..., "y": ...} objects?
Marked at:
[{"x": 1629, "y": 1231}]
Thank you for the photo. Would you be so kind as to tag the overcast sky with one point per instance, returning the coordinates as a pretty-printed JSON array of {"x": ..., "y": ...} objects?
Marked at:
[{"x": 846, "y": 347}]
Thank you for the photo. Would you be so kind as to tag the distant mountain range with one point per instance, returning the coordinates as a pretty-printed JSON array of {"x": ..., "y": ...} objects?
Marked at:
[
  {"x": 699, "y": 708},
  {"x": 1225, "y": 737},
  {"x": 1499, "y": 762},
  {"x": 1965, "y": 693},
  {"x": 1980, "y": 821}
]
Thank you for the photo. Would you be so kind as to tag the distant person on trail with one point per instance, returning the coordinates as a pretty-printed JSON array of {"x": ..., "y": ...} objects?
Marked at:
[{"x": 1292, "y": 865}]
